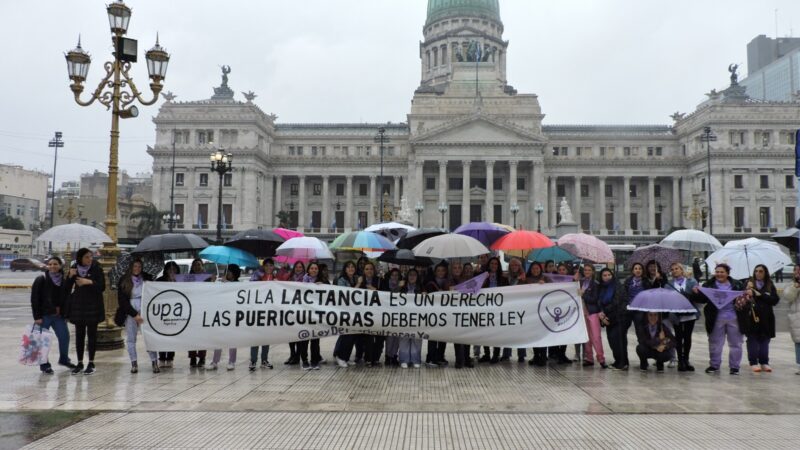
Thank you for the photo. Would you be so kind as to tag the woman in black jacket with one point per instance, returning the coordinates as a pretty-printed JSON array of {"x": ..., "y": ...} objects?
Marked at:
[
  {"x": 589, "y": 294},
  {"x": 85, "y": 283},
  {"x": 165, "y": 359},
  {"x": 614, "y": 316},
  {"x": 494, "y": 280},
  {"x": 129, "y": 296},
  {"x": 760, "y": 324},
  {"x": 48, "y": 298}
]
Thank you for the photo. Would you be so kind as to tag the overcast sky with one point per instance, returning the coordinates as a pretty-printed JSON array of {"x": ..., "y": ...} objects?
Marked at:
[{"x": 590, "y": 61}]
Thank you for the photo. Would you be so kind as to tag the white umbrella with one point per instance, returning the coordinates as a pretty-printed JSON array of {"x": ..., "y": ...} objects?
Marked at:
[
  {"x": 744, "y": 255},
  {"x": 692, "y": 240},
  {"x": 73, "y": 233},
  {"x": 450, "y": 246},
  {"x": 304, "y": 248},
  {"x": 390, "y": 230}
]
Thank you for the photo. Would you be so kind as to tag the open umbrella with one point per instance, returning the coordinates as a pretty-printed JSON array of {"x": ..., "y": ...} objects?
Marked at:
[
  {"x": 484, "y": 232},
  {"x": 664, "y": 256},
  {"x": 287, "y": 234},
  {"x": 404, "y": 257},
  {"x": 788, "y": 238},
  {"x": 587, "y": 247},
  {"x": 152, "y": 263},
  {"x": 520, "y": 243},
  {"x": 258, "y": 242},
  {"x": 222, "y": 254},
  {"x": 74, "y": 233},
  {"x": 362, "y": 240},
  {"x": 413, "y": 238},
  {"x": 555, "y": 253},
  {"x": 390, "y": 230},
  {"x": 744, "y": 255},
  {"x": 692, "y": 240},
  {"x": 171, "y": 242},
  {"x": 450, "y": 246},
  {"x": 304, "y": 249},
  {"x": 661, "y": 300}
]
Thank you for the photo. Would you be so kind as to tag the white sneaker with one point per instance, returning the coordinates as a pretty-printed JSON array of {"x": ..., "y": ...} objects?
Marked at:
[
  {"x": 416, "y": 366},
  {"x": 341, "y": 363},
  {"x": 212, "y": 366},
  {"x": 323, "y": 361},
  {"x": 231, "y": 366},
  {"x": 672, "y": 364},
  {"x": 404, "y": 365}
]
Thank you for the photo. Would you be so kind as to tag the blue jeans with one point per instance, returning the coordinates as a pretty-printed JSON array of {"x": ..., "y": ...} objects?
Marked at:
[
  {"x": 797, "y": 352},
  {"x": 59, "y": 326},
  {"x": 254, "y": 353}
]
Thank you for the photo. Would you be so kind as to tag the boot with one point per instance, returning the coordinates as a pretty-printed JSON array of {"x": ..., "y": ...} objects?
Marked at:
[{"x": 134, "y": 367}]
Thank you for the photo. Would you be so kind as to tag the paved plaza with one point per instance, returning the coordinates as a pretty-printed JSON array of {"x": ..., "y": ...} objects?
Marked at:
[{"x": 507, "y": 405}]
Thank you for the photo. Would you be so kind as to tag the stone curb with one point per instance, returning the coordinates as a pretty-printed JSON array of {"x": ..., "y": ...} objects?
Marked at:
[{"x": 15, "y": 286}]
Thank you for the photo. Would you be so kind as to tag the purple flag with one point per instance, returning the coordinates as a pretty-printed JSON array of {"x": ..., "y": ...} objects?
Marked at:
[
  {"x": 559, "y": 278},
  {"x": 718, "y": 297},
  {"x": 473, "y": 285},
  {"x": 184, "y": 277}
]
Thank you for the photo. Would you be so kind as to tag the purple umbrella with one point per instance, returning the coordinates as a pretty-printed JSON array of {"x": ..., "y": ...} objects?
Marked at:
[
  {"x": 661, "y": 300},
  {"x": 485, "y": 232},
  {"x": 664, "y": 256}
]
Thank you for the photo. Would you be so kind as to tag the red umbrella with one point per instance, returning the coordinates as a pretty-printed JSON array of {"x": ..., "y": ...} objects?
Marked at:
[{"x": 520, "y": 243}]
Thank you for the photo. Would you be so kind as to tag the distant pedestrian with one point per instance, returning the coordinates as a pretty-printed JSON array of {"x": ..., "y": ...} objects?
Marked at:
[{"x": 48, "y": 301}]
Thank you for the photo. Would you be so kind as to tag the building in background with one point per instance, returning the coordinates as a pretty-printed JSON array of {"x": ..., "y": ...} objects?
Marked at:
[
  {"x": 23, "y": 195},
  {"x": 473, "y": 148},
  {"x": 773, "y": 69}
]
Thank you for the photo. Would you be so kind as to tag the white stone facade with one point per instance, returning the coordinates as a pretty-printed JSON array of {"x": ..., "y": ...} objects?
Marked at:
[{"x": 475, "y": 145}]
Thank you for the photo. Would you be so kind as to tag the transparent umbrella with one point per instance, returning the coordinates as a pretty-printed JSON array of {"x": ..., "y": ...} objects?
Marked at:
[{"x": 74, "y": 233}]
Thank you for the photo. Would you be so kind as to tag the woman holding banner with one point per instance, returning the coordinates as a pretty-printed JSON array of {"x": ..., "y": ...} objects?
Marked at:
[
  {"x": 392, "y": 282},
  {"x": 265, "y": 273},
  {"x": 197, "y": 358},
  {"x": 373, "y": 345},
  {"x": 410, "y": 349},
  {"x": 723, "y": 319},
  {"x": 129, "y": 296},
  {"x": 296, "y": 275},
  {"x": 536, "y": 276},
  {"x": 312, "y": 276},
  {"x": 494, "y": 280},
  {"x": 232, "y": 275},
  {"x": 515, "y": 276},
  {"x": 344, "y": 344},
  {"x": 440, "y": 282},
  {"x": 171, "y": 269}
]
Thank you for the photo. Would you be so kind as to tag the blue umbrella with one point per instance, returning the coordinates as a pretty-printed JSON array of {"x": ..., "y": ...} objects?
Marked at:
[
  {"x": 222, "y": 254},
  {"x": 555, "y": 253}
]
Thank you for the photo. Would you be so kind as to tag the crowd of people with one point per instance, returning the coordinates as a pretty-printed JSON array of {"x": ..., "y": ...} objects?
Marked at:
[{"x": 76, "y": 295}]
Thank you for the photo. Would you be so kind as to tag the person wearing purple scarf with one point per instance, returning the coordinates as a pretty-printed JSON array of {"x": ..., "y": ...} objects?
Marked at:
[
  {"x": 760, "y": 324},
  {"x": 722, "y": 323},
  {"x": 129, "y": 296},
  {"x": 312, "y": 276},
  {"x": 85, "y": 285},
  {"x": 48, "y": 300},
  {"x": 494, "y": 280},
  {"x": 297, "y": 274},
  {"x": 392, "y": 282}
]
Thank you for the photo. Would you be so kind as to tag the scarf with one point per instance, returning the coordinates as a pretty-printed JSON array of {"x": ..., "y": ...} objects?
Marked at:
[
  {"x": 680, "y": 283},
  {"x": 759, "y": 284},
  {"x": 607, "y": 291},
  {"x": 137, "y": 281},
  {"x": 298, "y": 277},
  {"x": 83, "y": 270},
  {"x": 634, "y": 288},
  {"x": 56, "y": 278},
  {"x": 309, "y": 279},
  {"x": 723, "y": 286},
  {"x": 411, "y": 288}
]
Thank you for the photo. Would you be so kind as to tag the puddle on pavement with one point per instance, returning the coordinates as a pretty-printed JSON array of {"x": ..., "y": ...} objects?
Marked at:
[{"x": 21, "y": 428}]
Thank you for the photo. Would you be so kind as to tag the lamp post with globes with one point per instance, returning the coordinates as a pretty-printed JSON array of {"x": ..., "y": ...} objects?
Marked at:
[
  {"x": 221, "y": 163},
  {"x": 539, "y": 208},
  {"x": 514, "y": 211},
  {"x": 117, "y": 92},
  {"x": 419, "y": 208},
  {"x": 442, "y": 211}
]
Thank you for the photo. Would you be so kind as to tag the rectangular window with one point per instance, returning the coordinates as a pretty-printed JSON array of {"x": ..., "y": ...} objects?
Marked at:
[
  {"x": 299, "y": 151},
  {"x": 521, "y": 184},
  {"x": 651, "y": 151},
  {"x": 702, "y": 184},
  {"x": 227, "y": 180},
  {"x": 360, "y": 150},
  {"x": 390, "y": 150},
  {"x": 478, "y": 182},
  {"x": 790, "y": 138},
  {"x": 179, "y": 214},
  {"x": 178, "y": 179},
  {"x": 498, "y": 213},
  {"x": 294, "y": 188},
  {"x": 564, "y": 151},
  {"x": 316, "y": 220},
  {"x": 362, "y": 220},
  {"x": 626, "y": 151},
  {"x": 609, "y": 221},
  {"x": 789, "y": 181},
  {"x": 205, "y": 136},
  {"x": 339, "y": 189},
  {"x": 386, "y": 189},
  {"x": 203, "y": 180},
  {"x": 322, "y": 150},
  {"x": 430, "y": 183},
  {"x": 602, "y": 152},
  {"x": 579, "y": 151},
  {"x": 497, "y": 184},
  {"x": 291, "y": 150},
  {"x": 790, "y": 216},
  {"x": 586, "y": 221},
  {"x": 455, "y": 184},
  {"x": 764, "y": 219},
  {"x": 314, "y": 150},
  {"x": 227, "y": 216},
  {"x": 584, "y": 190},
  {"x": 634, "y": 221},
  {"x": 345, "y": 151},
  {"x": 561, "y": 191},
  {"x": 317, "y": 189},
  {"x": 738, "y": 182},
  {"x": 738, "y": 217},
  {"x": 202, "y": 215},
  {"x": 659, "y": 151},
  {"x": 764, "y": 182},
  {"x": 555, "y": 151},
  {"x": 609, "y": 190},
  {"x": 633, "y": 192},
  {"x": 362, "y": 189},
  {"x": 658, "y": 221},
  {"x": 657, "y": 190}
]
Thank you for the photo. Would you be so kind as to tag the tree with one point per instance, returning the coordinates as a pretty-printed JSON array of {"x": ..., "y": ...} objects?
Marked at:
[
  {"x": 149, "y": 220},
  {"x": 11, "y": 223},
  {"x": 283, "y": 219}
]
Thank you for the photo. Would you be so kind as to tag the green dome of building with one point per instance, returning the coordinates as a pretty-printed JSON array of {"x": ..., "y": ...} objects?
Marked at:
[{"x": 442, "y": 9}]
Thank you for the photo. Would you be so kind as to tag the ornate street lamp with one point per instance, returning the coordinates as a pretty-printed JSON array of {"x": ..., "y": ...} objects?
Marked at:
[
  {"x": 514, "y": 211},
  {"x": 442, "y": 210},
  {"x": 221, "y": 163},
  {"x": 171, "y": 219},
  {"x": 419, "y": 208},
  {"x": 539, "y": 209}
]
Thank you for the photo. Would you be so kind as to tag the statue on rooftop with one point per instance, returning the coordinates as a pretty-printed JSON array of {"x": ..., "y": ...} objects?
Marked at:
[{"x": 733, "y": 68}]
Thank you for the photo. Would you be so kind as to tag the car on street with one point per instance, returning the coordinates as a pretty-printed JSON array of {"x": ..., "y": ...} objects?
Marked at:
[{"x": 23, "y": 264}]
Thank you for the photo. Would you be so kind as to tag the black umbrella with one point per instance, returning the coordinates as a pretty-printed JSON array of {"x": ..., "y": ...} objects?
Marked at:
[
  {"x": 412, "y": 238},
  {"x": 261, "y": 243},
  {"x": 404, "y": 257},
  {"x": 173, "y": 242},
  {"x": 152, "y": 263},
  {"x": 788, "y": 238}
]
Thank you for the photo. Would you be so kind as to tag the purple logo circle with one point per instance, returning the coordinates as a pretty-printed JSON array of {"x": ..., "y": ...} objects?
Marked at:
[{"x": 559, "y": 311}]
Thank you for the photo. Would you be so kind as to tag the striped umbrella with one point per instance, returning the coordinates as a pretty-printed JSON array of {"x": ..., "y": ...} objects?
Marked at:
[{"x": 364, "y": 241}]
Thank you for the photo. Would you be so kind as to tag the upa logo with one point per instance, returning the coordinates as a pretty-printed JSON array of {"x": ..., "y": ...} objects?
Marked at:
[
  {"x": 168, "y": 313},
  {"x": 558, "y": 311}
]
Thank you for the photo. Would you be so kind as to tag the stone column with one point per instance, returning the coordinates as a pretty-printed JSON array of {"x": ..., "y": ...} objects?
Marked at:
[
  {"x": 325, "y": 221},
  {"x": 601, "y": 194},
  {"x": 721, "y": 203},
  {"x": 752, "y": 215},
  {"x": 348, "y": 210},
  {"x": 512, "y": 189},
  {"x": 269, "y": 204},
  {"x": 778, "y": 215},
  {"x": 676, "y": 202},
  {"x": 190, "y": 210},
  {"x": 442, "y": 182},
  {"x": 278, "y": 205},
  {"x": 576, "y": 210},
  {"x": 552, "y": 204},
  {"x": 626, "y": 204},
  {"x": 651, "y": 205},
  {"x": 489, "y": 191},
  {"x": 372, "y": 204},
  {"x": 465, "y": 194},
  {"x": 396, "y": 194},
  {"x": 539, "y": 187},
  {"x": 419, "y": 184},
  {"x": 301, "y": 207}
]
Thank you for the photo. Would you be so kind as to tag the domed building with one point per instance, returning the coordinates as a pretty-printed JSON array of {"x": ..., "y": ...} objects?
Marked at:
[{"x": 475, "y": 149}]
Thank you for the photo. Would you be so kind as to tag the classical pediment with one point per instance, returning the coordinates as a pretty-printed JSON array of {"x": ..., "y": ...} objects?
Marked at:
[{"x": 478, "y": 130}]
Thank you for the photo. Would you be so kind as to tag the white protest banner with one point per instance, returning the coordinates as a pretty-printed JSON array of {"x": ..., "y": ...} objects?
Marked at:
[{"x": 187, "y": 316}]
